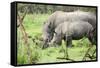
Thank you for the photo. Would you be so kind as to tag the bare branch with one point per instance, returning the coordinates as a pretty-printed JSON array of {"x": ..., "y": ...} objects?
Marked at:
[
  {"x": 19, "y": 18},
  {"x": 24, "y": 14}
]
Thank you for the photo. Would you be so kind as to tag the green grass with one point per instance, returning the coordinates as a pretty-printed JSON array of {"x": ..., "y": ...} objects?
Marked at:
[{"x": 33, "y": 53}]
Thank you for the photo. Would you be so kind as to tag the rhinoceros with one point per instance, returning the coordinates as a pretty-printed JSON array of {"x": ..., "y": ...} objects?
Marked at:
[
  {"x": 73, "y": 31},
  {"x": 59, "y": 17}
]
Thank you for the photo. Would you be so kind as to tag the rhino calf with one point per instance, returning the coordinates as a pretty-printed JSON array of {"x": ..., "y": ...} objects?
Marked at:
[{"x": 72, "y": 30}]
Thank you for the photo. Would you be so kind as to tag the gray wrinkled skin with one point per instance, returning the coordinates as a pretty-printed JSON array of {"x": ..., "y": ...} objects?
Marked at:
[
  {"x": 72, "y": 31},
  {"x": 59, "y": 17}
]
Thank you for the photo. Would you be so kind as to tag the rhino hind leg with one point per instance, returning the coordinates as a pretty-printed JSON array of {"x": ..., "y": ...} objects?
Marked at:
[{"x": 91, "y": 39}]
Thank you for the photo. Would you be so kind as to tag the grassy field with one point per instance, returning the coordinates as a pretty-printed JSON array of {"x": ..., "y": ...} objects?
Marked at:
[{"x": 34, "y": 54}]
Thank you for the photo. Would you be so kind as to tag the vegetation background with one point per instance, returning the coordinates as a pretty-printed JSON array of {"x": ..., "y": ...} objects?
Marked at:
[{"x": 29, "y": 42}]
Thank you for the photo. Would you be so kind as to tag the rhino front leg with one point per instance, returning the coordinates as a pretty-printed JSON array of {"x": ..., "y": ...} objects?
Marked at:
[
  {"x": 57, "y": 40},
  {"x": 45, "y": 44},
  {"x": 68, "y": 41}
]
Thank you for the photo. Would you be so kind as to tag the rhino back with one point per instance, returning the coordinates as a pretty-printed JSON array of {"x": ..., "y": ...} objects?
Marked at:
[
  {"x": 75, "y": 16},
  {"x": 79, "y": 29},
  {"x": 59, "y": 17}
]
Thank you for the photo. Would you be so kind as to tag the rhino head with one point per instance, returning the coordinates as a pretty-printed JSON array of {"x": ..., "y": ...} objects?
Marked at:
[{"x": 47, "y": 34}]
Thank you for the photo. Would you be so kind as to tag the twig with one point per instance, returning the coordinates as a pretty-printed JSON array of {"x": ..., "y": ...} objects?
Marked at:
[{"x": 87, "y": 53}]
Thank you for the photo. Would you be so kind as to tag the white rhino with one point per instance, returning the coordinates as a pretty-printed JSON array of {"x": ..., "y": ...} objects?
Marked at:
[
  {"x": 59, "y": 17},
  {"x": 73, "y": 31}
]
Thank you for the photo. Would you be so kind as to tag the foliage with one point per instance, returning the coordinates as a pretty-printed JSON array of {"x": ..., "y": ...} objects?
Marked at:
[{"x": 44, "y": 8}]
